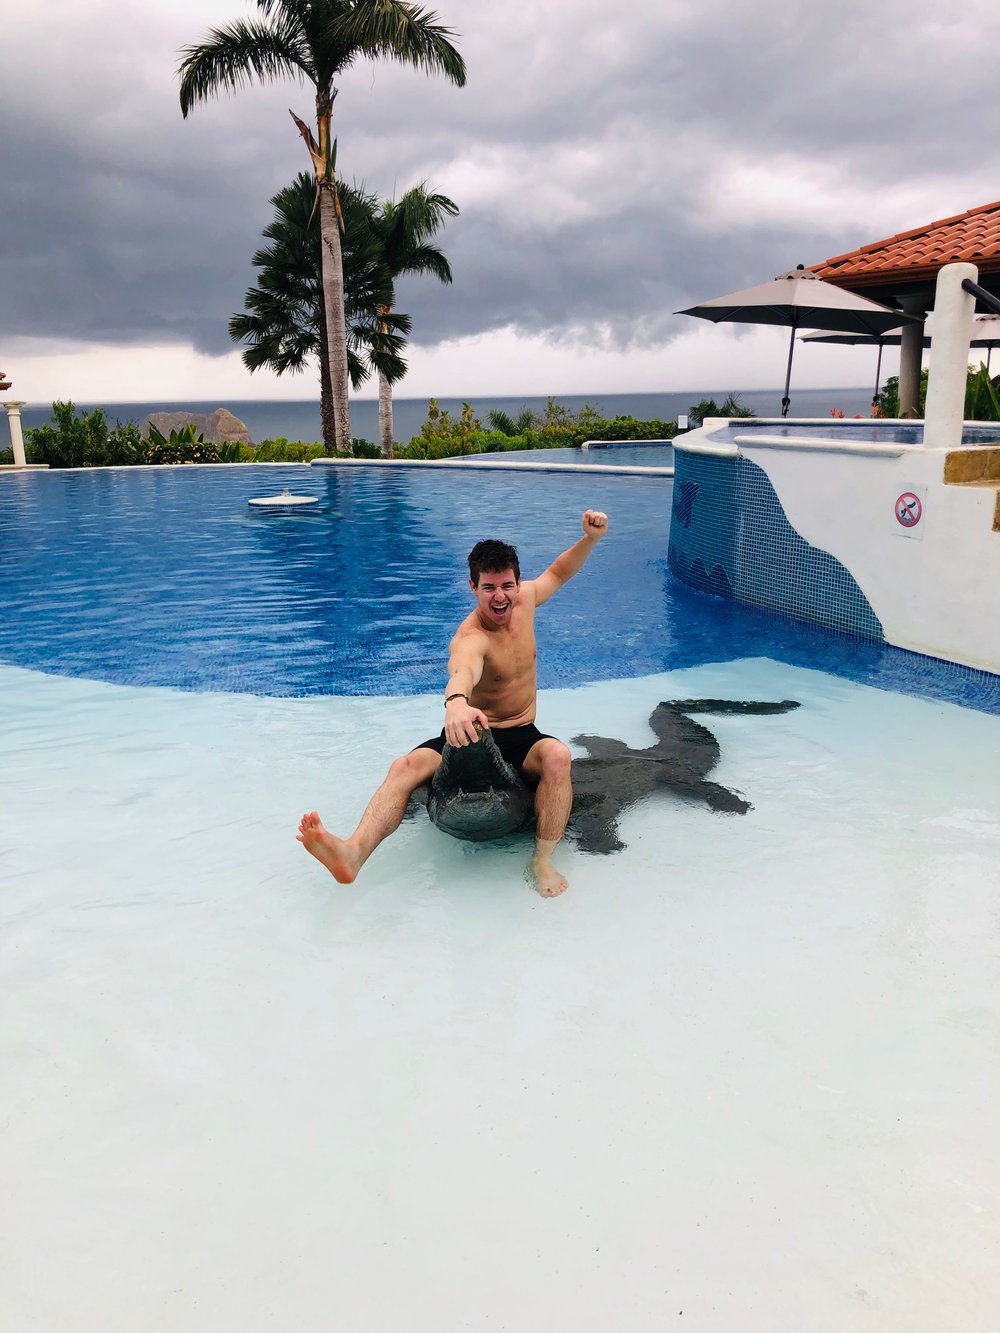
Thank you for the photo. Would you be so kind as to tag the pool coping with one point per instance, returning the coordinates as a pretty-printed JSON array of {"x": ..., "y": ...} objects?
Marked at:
[{"x": 470, "y": 462}]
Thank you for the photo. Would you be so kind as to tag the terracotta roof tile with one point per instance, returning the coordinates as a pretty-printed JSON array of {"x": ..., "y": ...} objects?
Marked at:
[{"x": 973, "y": 236}]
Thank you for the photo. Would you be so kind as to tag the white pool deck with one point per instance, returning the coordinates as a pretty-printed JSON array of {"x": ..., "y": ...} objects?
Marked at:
[{"x": 744, "y": 1076}]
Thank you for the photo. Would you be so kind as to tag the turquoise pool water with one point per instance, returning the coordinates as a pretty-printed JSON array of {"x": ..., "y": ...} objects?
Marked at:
[
  {"x": 168, "y": 577},
  {"x": 609, "y": 455},
  {"x": 874, "y": 432}
]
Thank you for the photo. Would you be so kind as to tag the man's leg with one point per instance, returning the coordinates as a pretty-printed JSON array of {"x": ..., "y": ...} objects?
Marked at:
[
  {"x": 344, "y": 857},
  {"x": 549, "y": 761}
]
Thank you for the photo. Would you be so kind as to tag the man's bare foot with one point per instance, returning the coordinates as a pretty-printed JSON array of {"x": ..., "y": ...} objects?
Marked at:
[
  {"x": 547, "y": 878},
  {"x": 337, "y": 855}
]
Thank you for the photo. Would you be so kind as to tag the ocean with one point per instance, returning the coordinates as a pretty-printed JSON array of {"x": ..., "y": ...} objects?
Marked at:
[{"x": 267, "y": 419}]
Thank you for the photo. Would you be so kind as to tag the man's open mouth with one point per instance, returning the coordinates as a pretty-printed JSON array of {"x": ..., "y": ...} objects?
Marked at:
[{"x": 498, "y": 608}]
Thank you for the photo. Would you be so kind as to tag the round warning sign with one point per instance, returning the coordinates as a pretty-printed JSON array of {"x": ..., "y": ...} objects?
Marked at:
[{"x": 909, "y": 510}]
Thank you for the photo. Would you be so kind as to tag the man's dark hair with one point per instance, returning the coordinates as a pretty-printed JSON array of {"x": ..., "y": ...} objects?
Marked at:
[{"x": 492, "y": 557}]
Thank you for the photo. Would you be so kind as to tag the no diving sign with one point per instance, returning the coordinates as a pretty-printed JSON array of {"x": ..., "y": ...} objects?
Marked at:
[{"x": 908, "y": 512}]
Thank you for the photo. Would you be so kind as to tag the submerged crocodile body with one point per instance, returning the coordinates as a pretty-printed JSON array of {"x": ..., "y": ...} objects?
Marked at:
[{"x": 476, "y": 795}]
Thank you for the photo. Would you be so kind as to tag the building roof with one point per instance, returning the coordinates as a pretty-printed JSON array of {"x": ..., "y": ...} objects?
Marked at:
[{"x": 910, "y": 261}]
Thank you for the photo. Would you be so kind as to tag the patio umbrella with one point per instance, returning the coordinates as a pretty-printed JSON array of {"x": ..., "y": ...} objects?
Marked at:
[
  {"x": 986, "y": 333},
  {"x": 857, "y": 340},
  {"x": 797, "y": 300}
]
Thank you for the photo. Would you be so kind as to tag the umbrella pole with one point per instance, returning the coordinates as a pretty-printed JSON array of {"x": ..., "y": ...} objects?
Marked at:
[
  {"x": 878, "y": 375},
  {"x": 786, "y": 402},
  {"x": 989, "y": 353}
]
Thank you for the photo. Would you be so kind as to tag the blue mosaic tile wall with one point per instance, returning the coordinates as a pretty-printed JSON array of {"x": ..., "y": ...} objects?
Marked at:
[
  {"x": 703, "y": 522},
  {"x": 729, "y": 536},
  {"x": 778, "y": 570}
]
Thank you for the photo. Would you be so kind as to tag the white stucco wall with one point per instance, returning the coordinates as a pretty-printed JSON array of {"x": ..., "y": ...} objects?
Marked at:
[{"x": 935, "y": 587}]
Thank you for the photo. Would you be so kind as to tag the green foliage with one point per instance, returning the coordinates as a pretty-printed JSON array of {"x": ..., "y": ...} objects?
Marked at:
[
  {"x": 182, "y": 446},
  {"x": 186, "y": 435},
  {"x": 180, "y": 451},
  {"x": 365, "y": 449},
  {"x": 708, "y": 407},
  {"x": 442, "y": 436},
  {"x": 234, "y": 451},
  {"x": 557, "y": 427},
  {"x": 888, "y": 397},
  {"x": 508, "y": 425},
  {"x": 283, "y": 451},
  {"x": 982, "y": 401},
  {"x": 982, "y": 396},
  {"x": 83, "y": 440}
]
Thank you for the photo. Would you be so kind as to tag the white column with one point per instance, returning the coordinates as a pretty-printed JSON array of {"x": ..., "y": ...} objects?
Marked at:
[
  {"x": 911, "y": 351},
  {"x": 954, "y": 314},
  {"x": 16, "y": 438}
]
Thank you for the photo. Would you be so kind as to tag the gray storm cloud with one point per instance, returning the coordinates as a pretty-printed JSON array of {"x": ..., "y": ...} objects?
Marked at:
[{"x": 595, "y": 155}]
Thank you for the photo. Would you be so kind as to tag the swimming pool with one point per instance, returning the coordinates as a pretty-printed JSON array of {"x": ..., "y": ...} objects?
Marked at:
[
  {"x": 745, "y": 1069},
  {"x": 872, "y": 432},
  {"x": 167, "y": 576},
  {"x": 634, "y": 454}
]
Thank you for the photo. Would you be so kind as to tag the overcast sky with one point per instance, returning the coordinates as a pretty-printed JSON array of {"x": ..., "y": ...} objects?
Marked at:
[{"x": 612, "y": 164}]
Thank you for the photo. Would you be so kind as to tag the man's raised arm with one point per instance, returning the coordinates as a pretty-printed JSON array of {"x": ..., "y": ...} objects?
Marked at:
[{"x": 563, "y": 567}]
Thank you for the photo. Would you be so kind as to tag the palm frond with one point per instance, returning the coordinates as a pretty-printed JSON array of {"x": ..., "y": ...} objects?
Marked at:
[
  {"x": 428, "y": 259},
  {"x": 383, "y": 351},
  {"x": 403, "y": 226},
  {"x": 396, "y": 30},
  {"x": 236, "y": 56}
]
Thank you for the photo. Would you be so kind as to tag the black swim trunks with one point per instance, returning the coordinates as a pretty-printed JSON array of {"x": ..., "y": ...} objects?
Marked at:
[{"x": 512, "y": 742}]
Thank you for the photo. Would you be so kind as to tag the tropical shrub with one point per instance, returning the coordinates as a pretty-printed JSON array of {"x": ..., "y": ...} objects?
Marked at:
[
  {"x": 283, "y": 451},
  {"x": 888, "y": 396},
  {"x": 557, "y": 427},
  {"x": 982, "y": 401},
  {"x": 83, "y": 440},
  {"x": 235, "y": 451},
  {"x": 442, "y": 436},
  {"x": 182, "y": 446},
  {"x": 508, "y": 425},
  {"x": 982, "y": 396},
  {"x": 365, "y": 449},
  {"x": 708, "y": 407},
  {"x": 180, "y": 451}
]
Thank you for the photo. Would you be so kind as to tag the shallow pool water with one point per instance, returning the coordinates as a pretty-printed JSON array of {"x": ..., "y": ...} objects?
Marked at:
[{"x": 743, "y": 1075}]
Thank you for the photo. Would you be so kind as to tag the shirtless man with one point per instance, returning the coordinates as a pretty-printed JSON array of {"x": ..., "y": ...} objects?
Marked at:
[{"x": 492, "y": 680}]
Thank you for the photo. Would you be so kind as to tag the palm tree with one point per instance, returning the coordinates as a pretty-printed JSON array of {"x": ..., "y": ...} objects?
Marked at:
[
  {"x": 316, "y": 40},
  {"x": 283, "y": 324},
  {"x": 403, "y": 229}
]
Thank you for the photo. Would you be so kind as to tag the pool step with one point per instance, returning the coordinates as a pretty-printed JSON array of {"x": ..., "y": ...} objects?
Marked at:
[{"x": 975, "y": 467}]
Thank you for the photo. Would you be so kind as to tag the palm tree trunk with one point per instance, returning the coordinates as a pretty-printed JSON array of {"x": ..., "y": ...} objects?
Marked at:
[
  {"x": 333, "y": 303},
  {"x": 385, "y": 405},
  {"x": 385, "y": 415},
  {"x": 326, "y": 399}
]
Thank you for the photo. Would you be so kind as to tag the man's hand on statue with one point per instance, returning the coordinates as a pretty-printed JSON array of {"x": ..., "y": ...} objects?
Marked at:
[
  {"x": 460, "y": 723},
  {"x": 595, "y": 524}
]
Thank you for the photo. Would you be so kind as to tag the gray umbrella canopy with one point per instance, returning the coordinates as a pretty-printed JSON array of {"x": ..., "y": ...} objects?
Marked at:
[
  {"x": 986, "y": 333},
  {"x": 860, "y": 340},
  {"x": 796, "y": 300}
]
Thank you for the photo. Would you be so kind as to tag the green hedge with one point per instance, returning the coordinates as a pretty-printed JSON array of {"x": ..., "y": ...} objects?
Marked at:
[{"x": 462, "y": 443}]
